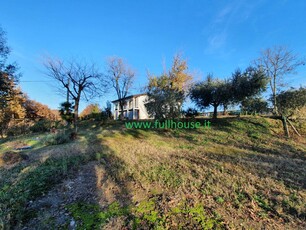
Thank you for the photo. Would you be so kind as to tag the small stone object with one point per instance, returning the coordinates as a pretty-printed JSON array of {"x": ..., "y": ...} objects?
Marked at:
[
  {"x": 72, "y": 223},
  {"x": 24, "y": 148}
]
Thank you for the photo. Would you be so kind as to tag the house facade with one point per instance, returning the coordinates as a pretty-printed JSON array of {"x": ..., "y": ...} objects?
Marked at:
[{"x": 133, "y": 109}]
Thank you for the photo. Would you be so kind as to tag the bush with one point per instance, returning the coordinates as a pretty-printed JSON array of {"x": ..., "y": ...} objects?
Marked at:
[
  {"x": 254, "y": 106},
  {"x": 18, "y": 129},
  {"x": 41, "y": 126},
  {"x": 190, "y": 113},
  {"x": 103, "y": 116},
  {"x": 11, "y": 157},
  {"x": 234, "y": 113},
  {"x": 57, "y": 139}
]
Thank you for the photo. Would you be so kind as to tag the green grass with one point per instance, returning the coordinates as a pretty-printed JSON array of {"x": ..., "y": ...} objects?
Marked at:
[
  {"x": 30, "y": 183},
  {"x": 240, "y": 173},
  {"x": 239, "y": 165},
  {"x": 91, "y": 216},
  {"x": 33, "y": 140}
]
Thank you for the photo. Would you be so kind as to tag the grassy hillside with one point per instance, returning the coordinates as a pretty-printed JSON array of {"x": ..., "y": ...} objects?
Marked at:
[{"x": 240, "y": 173}]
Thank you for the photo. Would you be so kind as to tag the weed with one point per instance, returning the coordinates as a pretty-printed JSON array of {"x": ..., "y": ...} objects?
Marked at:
[
  {"x": 262, "y": 202},
  {"x": 31, "y": 184},
  {"x": 219, "y": 200},
  {"x": 164, "y": 175},
  {"x": 147, "y": 211},
  {"x": 90, "y": 216},
  {"x": 199, "y": 215},
  {"x": 56, "y": 139}
]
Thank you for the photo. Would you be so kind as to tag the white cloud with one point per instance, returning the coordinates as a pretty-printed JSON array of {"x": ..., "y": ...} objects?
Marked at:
[{"x": 228, "y": 16}]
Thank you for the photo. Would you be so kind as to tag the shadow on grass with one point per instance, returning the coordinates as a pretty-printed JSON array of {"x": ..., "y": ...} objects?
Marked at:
[
  {"x": 264, "y": 157},
  {"x": 51, "y": 165},
  {"x": 291, "y": 172},
  {"x": 112, "y": 184}
]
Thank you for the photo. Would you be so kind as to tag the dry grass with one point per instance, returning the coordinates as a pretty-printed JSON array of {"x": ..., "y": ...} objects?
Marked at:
[
  {"x": 241, "y": 173},
  {"x": 239, "y": 170}
]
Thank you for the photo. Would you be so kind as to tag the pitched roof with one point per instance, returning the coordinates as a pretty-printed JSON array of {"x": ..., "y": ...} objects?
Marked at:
[{"x": 131, "y": 96}]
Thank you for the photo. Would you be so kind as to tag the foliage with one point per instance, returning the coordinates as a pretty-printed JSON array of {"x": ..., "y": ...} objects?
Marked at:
[
  {"x": 215, "y": 92},
  {"x": 247, "y": 84},
  {"x": 94, "y": 112},
  {"x": 166, "y": 93},
  {"x": 254, "y": 105},
  {"x": 10, "y": 96},
  {"x": 103, "y": 116},
  {"x": 42, "y": 125},
  {"x": 108, "y": 110},
  {"x": 18, "y": 129},
  {"x": 147, "y": 211},
  {"x": 66, "y": 112},
  {"x": 198, "y": 214},
  {"x": 91, "y": 109},
  {"x": 57, "y": 139},
  {"x": 5, "y": 118},
  {"x": 190, "y": 113},
  {"x": 163, "y": 102},
  {"x": 289, "y": 102},
  {"x": 90, "y": 216},
  {"x": 164, "y": 175},
  {"x": 36, "y": 110},
  {"x": 211, "y": 92}
]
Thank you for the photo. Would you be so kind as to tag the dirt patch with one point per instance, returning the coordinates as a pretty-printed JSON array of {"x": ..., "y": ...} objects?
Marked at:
[
  {"x": 90, "y": 185},
  {"x": 10, "y": 158}
]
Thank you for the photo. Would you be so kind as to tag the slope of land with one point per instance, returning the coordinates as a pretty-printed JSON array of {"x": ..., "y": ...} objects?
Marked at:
[{"x": 240, "y": 173}]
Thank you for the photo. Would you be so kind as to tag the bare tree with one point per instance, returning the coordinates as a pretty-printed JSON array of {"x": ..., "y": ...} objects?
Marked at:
[
  {"x": 77, "y": 78},
  {"x": 120, "y": 77},
  {"x": 278, "y": 62}
]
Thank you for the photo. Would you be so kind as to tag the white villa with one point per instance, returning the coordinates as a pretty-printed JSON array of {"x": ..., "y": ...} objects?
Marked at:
[{"x": 133, "y": 109}]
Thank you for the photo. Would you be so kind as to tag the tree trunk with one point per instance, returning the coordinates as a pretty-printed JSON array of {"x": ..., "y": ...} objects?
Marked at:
[
  {"x": 215, "y": 112},
  {"x": 76, "y": 114},
  {"x": 274, "y": 96},
  {"x": 295, "y": 130},
  {"x": 121, "y": 116},
  {"x": 274, "y": 104},
  {"x": 224, "y": 109},
  {"x": 284, "y": 120}
]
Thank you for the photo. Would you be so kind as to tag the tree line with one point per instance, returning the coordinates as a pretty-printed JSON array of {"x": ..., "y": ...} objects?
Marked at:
[
  {"x": 167, "y": 92},
  {"x": 15, "y": 105}
]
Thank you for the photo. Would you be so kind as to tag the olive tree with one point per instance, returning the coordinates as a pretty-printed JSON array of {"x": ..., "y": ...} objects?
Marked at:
[{"x": 289, "y": 102}]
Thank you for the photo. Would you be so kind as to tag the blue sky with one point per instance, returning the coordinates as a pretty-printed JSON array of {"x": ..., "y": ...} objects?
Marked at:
[{"x": 215, "y": 36}]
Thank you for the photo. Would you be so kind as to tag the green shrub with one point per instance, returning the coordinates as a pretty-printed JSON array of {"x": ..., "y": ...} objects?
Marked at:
[
  {"x": 190, "y": 113},
  {"x": 41, "y": 126},
  {"x": 90, "y": 216},
  {"x": 17, "y": 130},
  {"x": 57, "y": 139}
]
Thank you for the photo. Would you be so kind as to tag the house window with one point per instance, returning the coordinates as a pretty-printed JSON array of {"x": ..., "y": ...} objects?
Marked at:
[
  {"x": 131, "y": 104},
  {"x": 137, "y": 114},
  {"x": 136, "y": 102}
]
